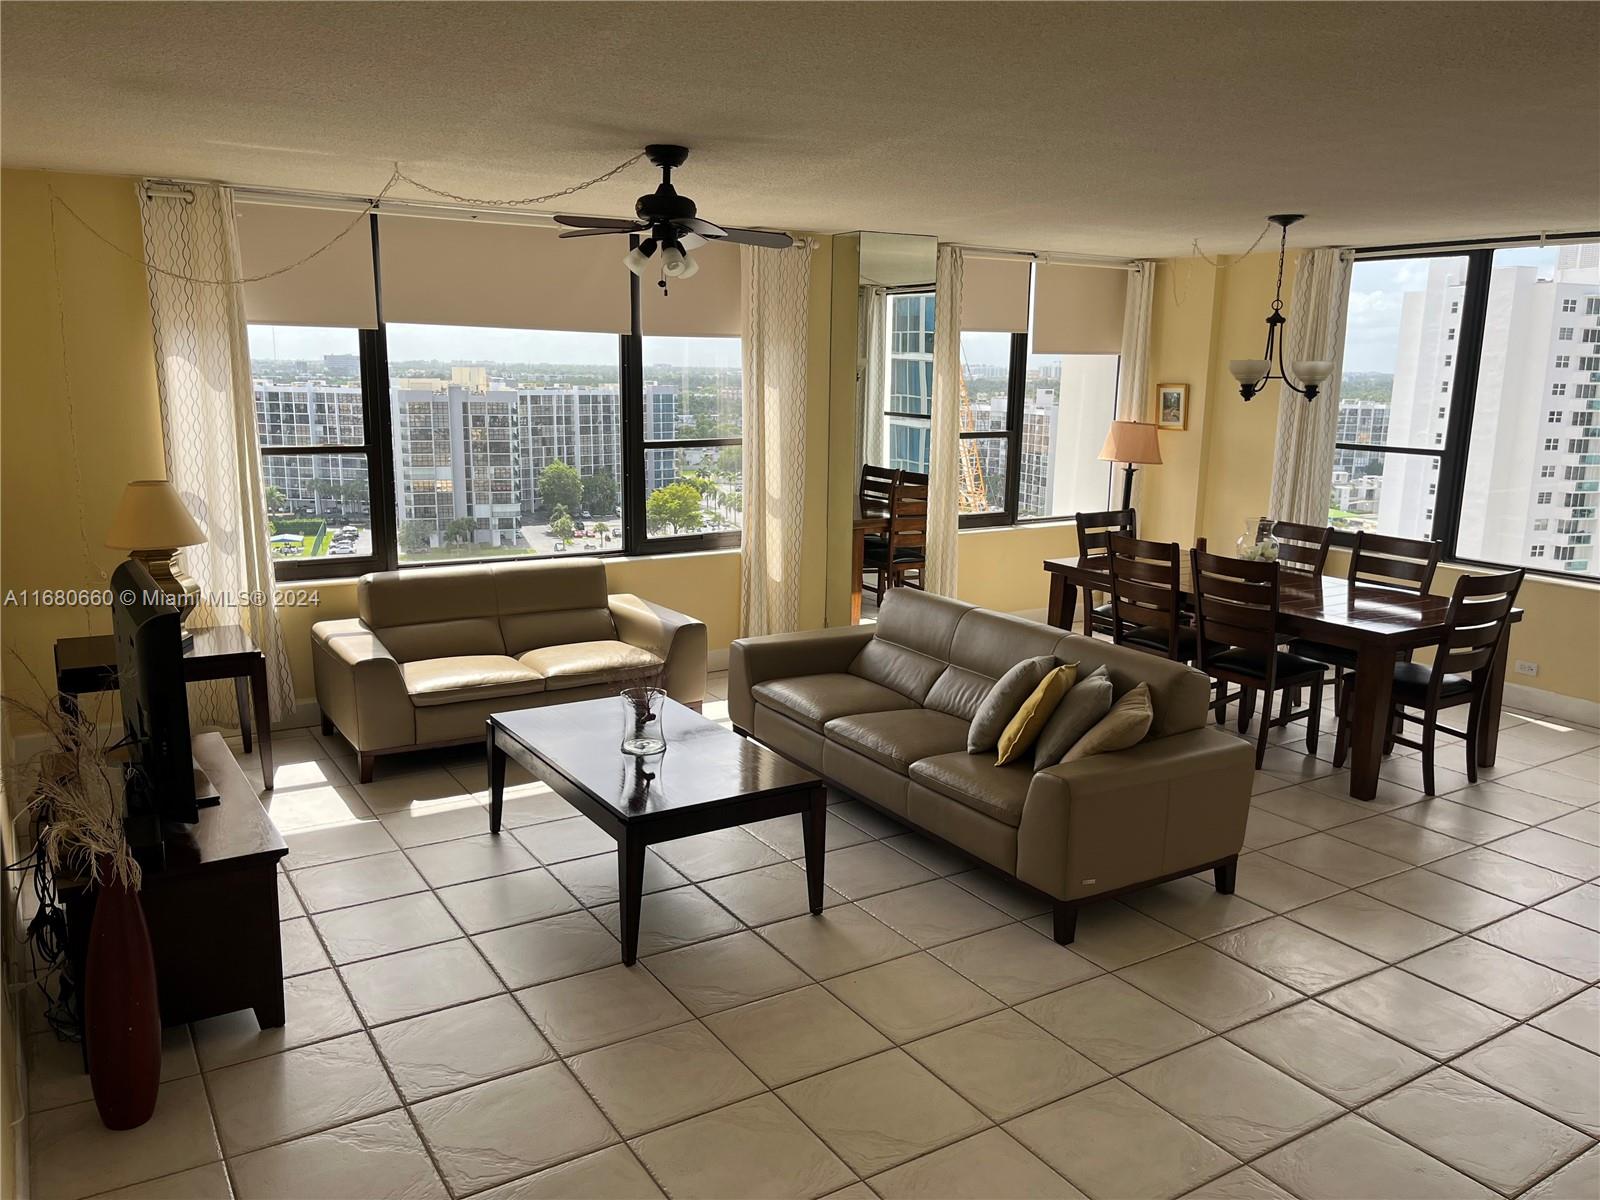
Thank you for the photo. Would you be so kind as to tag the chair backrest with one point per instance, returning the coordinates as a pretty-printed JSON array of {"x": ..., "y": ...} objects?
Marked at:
[
  {"x": 1480, "y": 611},
  {"x": 1235, "y": 603},
  {"x": 876, "y": 489},
  {"x": 1303, "y": 547},
  {"x": 1397, "y": 562},
  {"x": 1145, "y": 588},
  {"x": 908, "y": 514},
  {"x": 1095, "y": 530}
]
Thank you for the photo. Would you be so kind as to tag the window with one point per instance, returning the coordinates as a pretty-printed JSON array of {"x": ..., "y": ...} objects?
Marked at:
[
  {"x": 1564, "y": 553},
  {"x": 1589, "y": 363},
  {"x": 1591, "y": 306},
  {"x": 1552, "y": 443},
  {"x": 1570, "y": 304},
  {"x": 1558, "y": 389},
  {"x": 1591, "y": 335},
  {"x": 692, "y": 478},
  {"x": 1542, "y": 525},
  {"x": 1455, "y": 307},
  {"x": 1536, "y": 550},
  {"x": 1544, "y": 498},
  {"x": 987, "y": 423},
  {"x": 1444, "y": 385},
  {"x": 1547, "y": 471},
  {"x": 1564, "y": 334},
  {"x": 1563, "y": 361},
  {"x": 1443, "y": 412},
  {"x": 1587, "y": 391}
]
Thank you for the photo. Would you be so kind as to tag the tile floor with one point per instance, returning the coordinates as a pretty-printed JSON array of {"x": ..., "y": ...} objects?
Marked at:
[{"x": 1400, "y": 1000}]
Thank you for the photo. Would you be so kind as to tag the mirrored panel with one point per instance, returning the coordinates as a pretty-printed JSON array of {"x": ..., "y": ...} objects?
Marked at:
[{"x": 894, "y": 353}]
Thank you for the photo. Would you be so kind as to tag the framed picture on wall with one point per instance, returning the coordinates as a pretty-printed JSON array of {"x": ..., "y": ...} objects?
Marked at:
[{"x": 1172, "y": 406}]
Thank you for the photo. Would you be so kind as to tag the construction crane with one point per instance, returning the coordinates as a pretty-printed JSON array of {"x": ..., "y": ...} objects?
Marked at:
[{"x": 974, "y": 493}]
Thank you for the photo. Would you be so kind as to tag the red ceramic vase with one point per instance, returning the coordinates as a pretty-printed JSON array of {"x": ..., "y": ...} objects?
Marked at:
[{"x": 121, "y": 1013}]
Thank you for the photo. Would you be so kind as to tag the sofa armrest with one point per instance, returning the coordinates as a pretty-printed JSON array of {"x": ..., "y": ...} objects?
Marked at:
[
  {"x": 1114, "y": 820},
  {"x": 360, "y": 687},
  {"x": 784, "y": 655},
  {"x": 677, "y": 640}
]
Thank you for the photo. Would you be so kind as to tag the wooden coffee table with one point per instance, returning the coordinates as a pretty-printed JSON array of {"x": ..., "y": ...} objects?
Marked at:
[{"x": 707, "y": 778}]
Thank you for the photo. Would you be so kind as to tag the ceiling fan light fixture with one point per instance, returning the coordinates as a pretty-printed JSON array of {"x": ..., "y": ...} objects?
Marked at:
[
  {"x": 673, "y": 260},
  {"x": 638, "y": 258},
  {"x": 690, "y": 267}
]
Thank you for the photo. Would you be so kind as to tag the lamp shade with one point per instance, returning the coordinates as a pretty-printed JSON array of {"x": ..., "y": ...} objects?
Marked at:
[
  {"x": 152, "y": 517},
  {"x": 1131, "y": 442}
]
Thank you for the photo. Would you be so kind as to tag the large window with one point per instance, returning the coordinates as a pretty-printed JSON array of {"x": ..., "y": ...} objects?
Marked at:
[
  {"x": 693, "y": 460},
  {"x": 1460, "y": 406}
]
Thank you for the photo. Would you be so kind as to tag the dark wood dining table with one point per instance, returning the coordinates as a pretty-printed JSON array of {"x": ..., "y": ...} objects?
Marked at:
[
  {"x": 864, "y": 521},
  {"x": 1380, "y": 624}
]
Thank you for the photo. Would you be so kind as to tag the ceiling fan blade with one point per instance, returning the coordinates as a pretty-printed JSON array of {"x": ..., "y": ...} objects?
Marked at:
[
  {"x": 597, "y": 222},
  {"x": 704, "y": 228},
  {"x": 566, "y": 233},
  {"x": 758, "y": 237}
]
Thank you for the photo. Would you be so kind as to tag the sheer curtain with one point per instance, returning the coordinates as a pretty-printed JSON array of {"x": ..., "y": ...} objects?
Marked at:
[
  {"x": 209, "y": 424},
  {"x": 776, "y": 288},
  {"x": 1302, "y": 463},
  {"x": 871, "y": 333},
  {"x": 944, "y": 446},
  {"x": 1133, "y": 375}
]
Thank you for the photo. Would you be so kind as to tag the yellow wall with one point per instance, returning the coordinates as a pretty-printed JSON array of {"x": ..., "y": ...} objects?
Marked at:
[{"x": 1004, "y": 568}]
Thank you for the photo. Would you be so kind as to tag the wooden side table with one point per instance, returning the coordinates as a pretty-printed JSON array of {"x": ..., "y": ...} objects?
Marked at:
[{"x": 85, "y": 665}]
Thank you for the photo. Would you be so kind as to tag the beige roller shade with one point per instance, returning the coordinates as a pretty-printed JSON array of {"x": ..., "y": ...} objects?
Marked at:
[
  {"x": 706, "y": 305},
  {"x": 334, "y": 288},
  {"x": 1078, "y": 310},
  {"x": 448, "y": 271},
  {"x": 994, "y": 294}
]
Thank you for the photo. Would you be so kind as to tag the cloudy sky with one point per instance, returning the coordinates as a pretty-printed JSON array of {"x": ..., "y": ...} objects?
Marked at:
[{"x": 482, "y": 347}]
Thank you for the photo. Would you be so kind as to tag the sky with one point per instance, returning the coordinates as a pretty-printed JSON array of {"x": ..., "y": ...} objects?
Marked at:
[{"x": 482, "y": 347}]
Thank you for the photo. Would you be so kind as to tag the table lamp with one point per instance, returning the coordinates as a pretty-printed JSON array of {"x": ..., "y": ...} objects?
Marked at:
[
  {"x": 151, "y": 523},
  {"x": 1131, "y": 442}
]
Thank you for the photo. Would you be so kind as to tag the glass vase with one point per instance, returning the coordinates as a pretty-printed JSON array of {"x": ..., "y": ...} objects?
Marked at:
[
  {"x": 1258, "y": 543},
  {"x": 642, "y": 732}
]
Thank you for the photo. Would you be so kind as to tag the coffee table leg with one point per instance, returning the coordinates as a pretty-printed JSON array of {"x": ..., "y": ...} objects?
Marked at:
[
  {"x": 497, "y": 780},
  {"x": 630, "y": 887},
  {"x": 816, "y": 841}
]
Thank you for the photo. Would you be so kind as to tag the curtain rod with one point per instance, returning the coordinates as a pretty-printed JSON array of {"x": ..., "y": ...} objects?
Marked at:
[
  {"x": 1050, "y": 258},
  {"x": 1426, "y": 248}
]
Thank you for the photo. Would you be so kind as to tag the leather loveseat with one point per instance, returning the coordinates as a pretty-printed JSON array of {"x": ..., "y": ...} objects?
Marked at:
[
  {"x": 882, "y": 712},
  {"x": 436, "y": 650}
]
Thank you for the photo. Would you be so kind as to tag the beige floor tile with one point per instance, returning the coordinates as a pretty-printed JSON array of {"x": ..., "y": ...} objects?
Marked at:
[
  {"x": 868, "y": 869},
  {"x": 1579, "y": 859},
  {"x": 300, "y": 1091},
  {"x": 1113, "y": 1023},
  {"x": 380, "y": 1156},
  {"x": 613, "y": 1173},
  {"x": 302, "y": 949},
  {"x": 1313, "y": 807},
  {"x": 315, "y": 1007},
  {"x": 1577, "y": 1020},
  {"x": 436, "y": 821},
  {"x": 1391, "y": 794},
  {"x": 385, "y": 927},
  {"x": 571, "y": 944},
  {"x": 1302, "y": 958},
  {"x": 310, "y": 803},
  {"x": 872, "y": 821},
  {"x": 605, "y": 1006},
  {"x": 767, "y": 894},
  {"x": 417, "y": 981},
  {"x": 460, "y": 1046},
  {"x": 663, "y": 1077},
  {"x": 1487, "y": 869},
  {"x": 404, "y": 785},
  {"x": 1554, "y": 1076},
  {"x": 787, "y": 836},
  {"x": 1476, "y": 1130},
  {"x": 1404, "y": 840},
  {"x": 1013, "y": 963},
  {"x": 485, "y": 904},
  {"x": 1420, "y": 1014},
  {"x": 1243, "y": 1184},
  {"x": 1372, "y": 926},
  {"x": 797, "y": 1034},
  {"x": 466, "y": 859},
  {"x": 1005, "y": 1064},
  {"x": 670, "y": 919},
  {"x": 1559, "y": 945},
  {"x": 912, "y": 997},
  {"x": 358, "y": 881},
  {"x": 1327, "y": 1050},
  {"x": 1492, "y": 976},
  {"x": 1440, "y": 899},
  {"x": 288, "y": 902},
  {"x": 593, "y": 880},
  {"x": 841, "y": 939},
  {"x": 984, "y": 1166},
  {"x": 209, "y": 1182},
  {"x": 725, "y": 973},
  {"x": 933, "y": 913},
  {"x": 1569, "y": 780},
  {"x": 1336, "y": 859},
  {"x": 855, "y": 1191},
  {"x": 530, "y": 804},
  {"x": 560, "y": 841},
  {"x": 1112, "y": 935},
  {"x": 939, "y": 857},
  {"x": 1578, "y": 1180},
  {"x": 337, "y": 842},
  {"x": 1515, "y": 803},
  {"x": 1353, "y": 1159},
  {"x": 1192, "y": 905},
  {"x": 748, "y": 1151},
  {"x": 1265, "y": 828},
  {"x": 720, "y": 852},
  {"x": 57, "y": 1076},
  {"x": 71, "y": 1154},
  {"x": 1407, "y": 771},
  {"x": 881, "y": 1111},
  {"x": 1264, "y": 880},
  {"x": 512, "y": 1126},
  {"x": 1112, "y": 1142},
  {"x": 1457, "y": 820},
  {"x": 1005, "y": 894},
  {"x": 1581, "y": 906},
  {"x": 1209, "y": 987}
]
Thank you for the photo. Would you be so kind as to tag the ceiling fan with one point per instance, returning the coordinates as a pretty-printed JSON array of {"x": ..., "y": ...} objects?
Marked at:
[{"x": 669, "y": 224}]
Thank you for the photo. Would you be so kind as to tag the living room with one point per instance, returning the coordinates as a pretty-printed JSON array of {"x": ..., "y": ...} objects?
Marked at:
[{"x": 1017, "y": 802}]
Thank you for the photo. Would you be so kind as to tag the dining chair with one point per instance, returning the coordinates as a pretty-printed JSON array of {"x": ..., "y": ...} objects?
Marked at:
[
  {"x": 1147, "y": 610},
  {"x": 875, "y": 492},
  {"x": 906, "y": 549},
  {"x": 1302, "y": 547},
  {"x": 1236, "y": 606},
  {"x": 1094, "y": 546},
  {"x": 1478, "y": 621}
]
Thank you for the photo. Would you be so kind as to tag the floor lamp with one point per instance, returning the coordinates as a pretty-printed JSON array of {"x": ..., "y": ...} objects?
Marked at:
[{"x": 1134, "y": 444}]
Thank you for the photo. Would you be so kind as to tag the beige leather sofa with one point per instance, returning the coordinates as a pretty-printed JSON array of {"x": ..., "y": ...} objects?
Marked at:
[
  {"x": 882, "y": 712},
  {"x": 436, "y": 650}
]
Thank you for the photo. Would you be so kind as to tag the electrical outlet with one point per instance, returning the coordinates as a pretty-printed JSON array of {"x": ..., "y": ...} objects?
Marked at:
[{"x": 1524, "y": 667}]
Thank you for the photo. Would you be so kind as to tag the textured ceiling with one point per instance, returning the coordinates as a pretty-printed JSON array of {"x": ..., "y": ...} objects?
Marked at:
[{"x": 1099, "y": 128}]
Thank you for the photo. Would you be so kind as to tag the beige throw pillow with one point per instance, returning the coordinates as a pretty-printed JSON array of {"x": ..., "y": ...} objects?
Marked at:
[
  {"x": 1124, "y": 726},
  {"x": 1003, "y": 700},
  {"x": 1088, "y": 701},
  {"x": 1024, "y": 728}
]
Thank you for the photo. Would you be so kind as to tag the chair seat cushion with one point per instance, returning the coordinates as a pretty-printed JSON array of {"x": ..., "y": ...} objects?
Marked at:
[
  {"x": 1335, "y": 656},
  {"x": 1254, "y": 664},
  {"x": 975, "y": 781},
  {"x": 579, "y": 664},
  {"x": 431, "y": 681},
  {"x": 898, "y": 739},
  {"x": 1411, "y": 683},
  {"x": 1153, "y": 637},
  {"x": 814, "y": 700},
  {"x": 880, "y": 554}
]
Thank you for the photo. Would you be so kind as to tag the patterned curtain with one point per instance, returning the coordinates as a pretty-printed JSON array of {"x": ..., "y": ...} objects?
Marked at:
[
  {"x": 1303, "y": 460},
  {"x": 208, "y": 419},
  {"x": 1133, "y": 377},
  {"x": 871, "y": 335},
  {"x": 944, "y": 441},
  {"x": 777, "y": 285}
]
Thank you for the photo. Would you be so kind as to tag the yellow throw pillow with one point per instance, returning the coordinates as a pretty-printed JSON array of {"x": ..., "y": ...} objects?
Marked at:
[
  {"x": 1124, "y": 726},
  {"x": 1023, "y": 729}
]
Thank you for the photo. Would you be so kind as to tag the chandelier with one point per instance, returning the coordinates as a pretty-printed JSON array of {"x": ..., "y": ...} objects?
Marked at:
[{"x": 1254, "y": 374}]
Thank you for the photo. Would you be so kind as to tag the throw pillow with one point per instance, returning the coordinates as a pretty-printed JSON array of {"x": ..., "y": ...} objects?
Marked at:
[
  {"x": 1125, "y": 725},
  {"x": 1003, "y": 700},
  {"x": 1023, "y": 729},
  {"x": 1078, "y": 713}
]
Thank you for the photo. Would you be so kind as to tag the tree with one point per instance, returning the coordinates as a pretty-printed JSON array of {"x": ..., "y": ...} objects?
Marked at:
[
  {"x": 461, "y": 530},
  {"x": 414, "y": 536},
  {"x": 561, "y": 528},
  {"x": 276, "y": 500},
  {"x": 600, "y": 495},
  {"x": 603, "y": 531},
  {"x": 560, "y": 485},
  {"x": 678, "y": 505}
]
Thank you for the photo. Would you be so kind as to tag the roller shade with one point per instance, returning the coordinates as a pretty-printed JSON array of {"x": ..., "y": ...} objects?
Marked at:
[
  {"x": 447, "y": 271},
  {"x": 994, "y": 295},
  {"x": 334, "y": 288},
  {"x": 1078, "y": 310},
  {"x": 706, "y": 305}
]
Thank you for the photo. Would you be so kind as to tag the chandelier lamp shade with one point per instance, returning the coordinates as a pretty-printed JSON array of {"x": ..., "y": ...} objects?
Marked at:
[{"x": 1253, "y": 374}]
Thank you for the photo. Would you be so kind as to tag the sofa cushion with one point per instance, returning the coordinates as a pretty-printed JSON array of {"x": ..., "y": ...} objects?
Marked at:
[
  {"x": 551, "y": 603},
  {"x": 898, "y": 739},
  {"x": 578, "y": 664},
  {"x": 1124, "y": 726},
  {"x": 814, "y": 700},
  {"x": 1003, "y": 701},
  {"x": 443, "y": 612},
  {"x": 991, "y": 643},
  {"x": 431, "y": 681},
  {"x": 911, "y": 643},
  {"x": 1079, "y": 712},
  {"x": 1023, "y": 729},
  {"x": 976, "y": 781}
]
